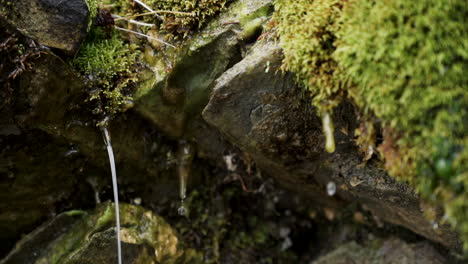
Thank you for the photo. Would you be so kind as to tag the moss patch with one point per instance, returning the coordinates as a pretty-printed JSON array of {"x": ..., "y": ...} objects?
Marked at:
[
  {"x": 109, "y": 64},
  {"x": 409, "y": 62},
  {"x": 405, "y": 63},
  {"x": 308, "y": 33}
]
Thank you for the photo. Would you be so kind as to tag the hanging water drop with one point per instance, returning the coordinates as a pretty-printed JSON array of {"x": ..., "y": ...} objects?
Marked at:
[
  {"x": 328, "y": 130},
  {"x": 331, "y": 188},
  {"x": 184, "y": 158},
  {"x": 182, "y": 210},
  {"x": 110, "y": 152}
]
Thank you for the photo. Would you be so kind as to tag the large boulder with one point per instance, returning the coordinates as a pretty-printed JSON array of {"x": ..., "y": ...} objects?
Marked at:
[{"x": 177, "y": 91}]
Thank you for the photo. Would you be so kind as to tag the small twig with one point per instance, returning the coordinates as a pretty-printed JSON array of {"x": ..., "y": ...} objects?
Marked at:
[
  {"x": 144, "y": 5},
  {"x": 157, "y": 12},
  {"x": 117, "y": 17},
  {"x": 147, "y": 8},
  {"x": 143, "y": 35}
]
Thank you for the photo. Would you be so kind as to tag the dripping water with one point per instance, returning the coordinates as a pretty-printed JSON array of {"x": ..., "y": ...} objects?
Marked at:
[
  {"x": 185, "y": 157},
  {"x": 110, "y": 152},
  {"x": 328, "y": 130}
]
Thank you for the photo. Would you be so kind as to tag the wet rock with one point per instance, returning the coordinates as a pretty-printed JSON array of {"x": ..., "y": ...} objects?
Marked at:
[
  {"x": 53, "y": 23},
  {"x": 261, "y": 111},
  {"x": 179, "y": 90},
  {"x": 51, "y": 97},
  {"x": 36, "y": 182},
  {"x": 391, "y": 251},
  {"x": 89, "y": 237},
  {"x": 46, "y": 92}
]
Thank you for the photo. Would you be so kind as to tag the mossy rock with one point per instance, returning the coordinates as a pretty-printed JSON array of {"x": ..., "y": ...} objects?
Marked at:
[
  {"x": 89, "y": 237},
  {"x": 408, "y": 62},
  {"x": 402, "y": 64},
  {"x": 176, "y": 93}
]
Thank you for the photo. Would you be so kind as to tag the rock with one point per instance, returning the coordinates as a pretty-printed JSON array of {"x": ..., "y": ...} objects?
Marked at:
[
  {"x": 53, "y": 23},
  {"x": 47, "y": 92},
  {"x": 390, "y": 251},
  {"x": 261, "y": 111},
  {"x": 52, "y": 97},
  {"x": 81, "y": 237},
  {"x": 38, "y": 180},
  {"x": 171, "y": 100}
]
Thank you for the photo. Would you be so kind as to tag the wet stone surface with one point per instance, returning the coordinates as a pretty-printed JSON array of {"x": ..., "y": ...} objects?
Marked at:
[{"x": 53, "y": 23}]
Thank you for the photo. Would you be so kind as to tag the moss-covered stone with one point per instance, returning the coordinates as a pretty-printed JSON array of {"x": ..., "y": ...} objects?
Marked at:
[
  {"x": 197, "y": 12},
  {"x": 408, "y": 60},
  {"x": 89, "y": 237},
  {"x": 403, "y": 62},
  {"x": 307, "y": 32}
]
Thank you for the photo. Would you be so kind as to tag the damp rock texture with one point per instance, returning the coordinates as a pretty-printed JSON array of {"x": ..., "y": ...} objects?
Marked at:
[
  {"x": 391, "y": 251},
  {"x": 89, "y": 237},
  {"x": 53, "y": 23},
  {"x": 259, "y": 109}
]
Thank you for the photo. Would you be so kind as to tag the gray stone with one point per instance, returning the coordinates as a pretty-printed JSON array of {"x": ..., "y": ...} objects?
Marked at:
[
  {"x": 260, "y": 110},
  {"x": 53, "y": 23},
  {"x": 389, "y": 251},
  {"x": 177, "y": 93}
]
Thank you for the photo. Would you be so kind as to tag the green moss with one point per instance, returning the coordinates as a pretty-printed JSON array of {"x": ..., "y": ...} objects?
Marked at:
[
  {"x": 197, "y": 13},
  {"x": 252, "y": 23},
  {"x": 307, "y": 32},
  {"x": 93, "y": 8},
  {"x": 404, "y": 62},
  {"x": 109, "y": 63},
  {"x": 409, "y": 60}
]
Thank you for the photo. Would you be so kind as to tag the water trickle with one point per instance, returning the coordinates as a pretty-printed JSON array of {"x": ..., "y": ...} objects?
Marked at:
[
  {"x": 328, "y": 130},
  {"x": 184, "y": 159},
  {"x": 331, "y": 188},
  {"x": 110, "y": 152}
]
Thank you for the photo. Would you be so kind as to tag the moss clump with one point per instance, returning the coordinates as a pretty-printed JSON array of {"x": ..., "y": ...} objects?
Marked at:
[
  {"x": 308, "y": 32},
  {"x": 108, "y": 63},
  {"x": 409, "y": 61},
  {"x": 200, "y": 11}
]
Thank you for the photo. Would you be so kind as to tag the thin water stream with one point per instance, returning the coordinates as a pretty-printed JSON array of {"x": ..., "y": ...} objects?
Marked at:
[
  {"x": 110, "y": 152},
  {"x": 185, "y": 157}
]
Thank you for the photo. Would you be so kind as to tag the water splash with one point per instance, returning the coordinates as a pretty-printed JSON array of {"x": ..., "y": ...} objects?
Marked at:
[
  {"x": 110, "y": 152},
  {"x": 331, "y": 188},
  {"x": 184, "y": 158}
]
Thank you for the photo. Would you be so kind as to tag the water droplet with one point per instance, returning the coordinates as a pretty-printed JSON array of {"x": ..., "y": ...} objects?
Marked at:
[
  {"x": 182, "y": 210},
  {"x": 70, "y": 152},
  {"x": 331, "y": 188},
  {"x": 137, "y": 201}
]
